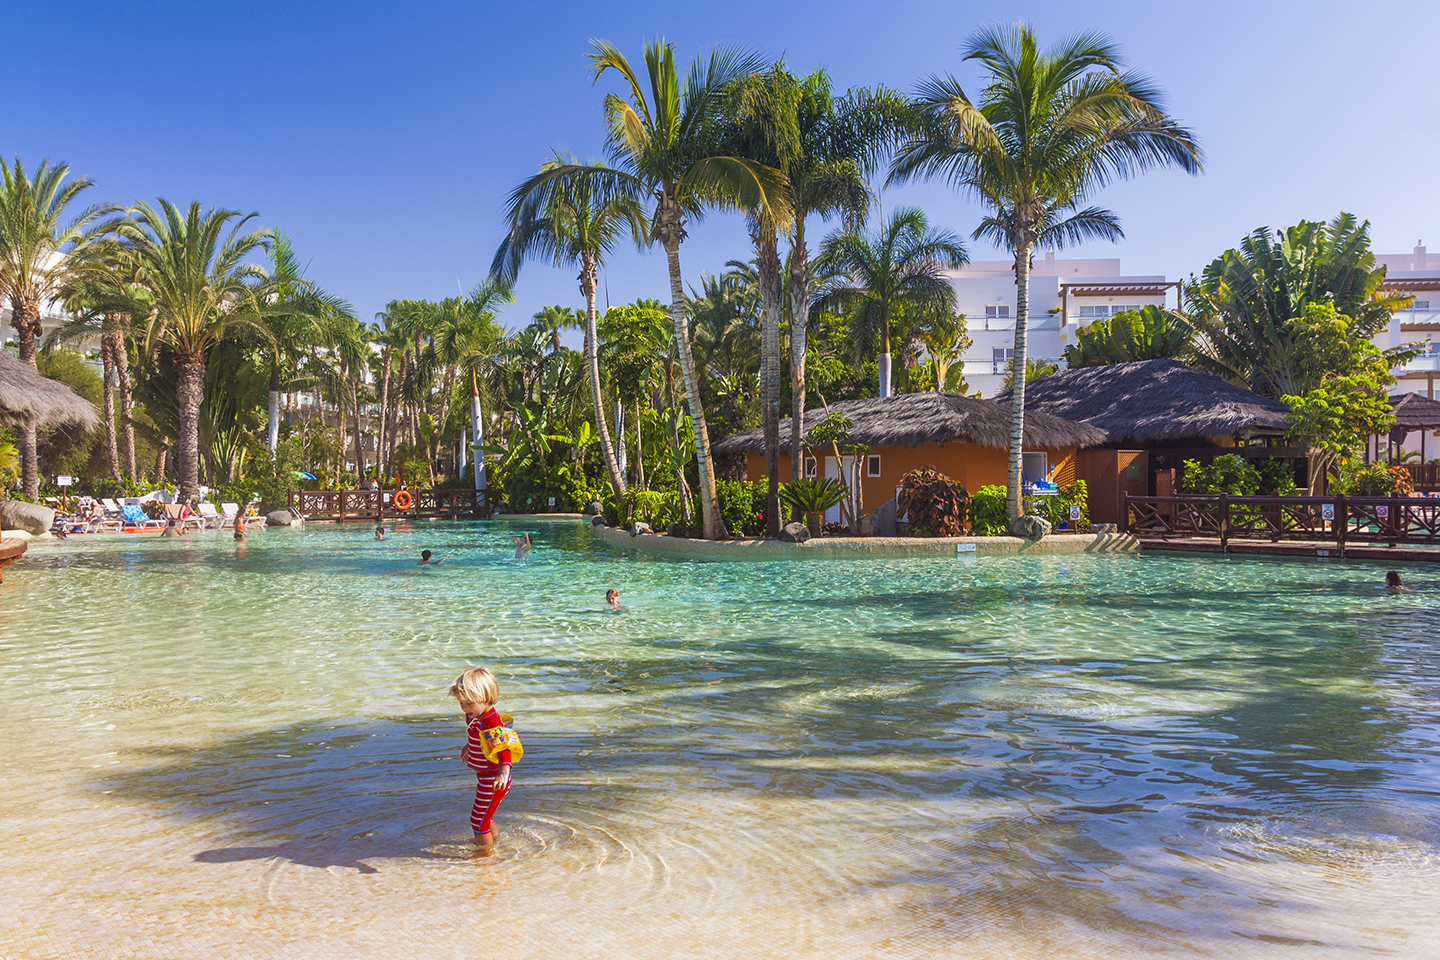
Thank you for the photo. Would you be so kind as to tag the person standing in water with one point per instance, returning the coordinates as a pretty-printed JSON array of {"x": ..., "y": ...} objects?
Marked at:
[
  {"x": 523, "y": 545},
  {"x": 379, "y": 531},
  {"x": 490, "y": 748},
  {"x": 1393, "y": 584}
]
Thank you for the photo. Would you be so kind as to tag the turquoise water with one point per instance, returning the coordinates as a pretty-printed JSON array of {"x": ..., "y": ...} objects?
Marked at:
[{"x": 1061, "y": 756}]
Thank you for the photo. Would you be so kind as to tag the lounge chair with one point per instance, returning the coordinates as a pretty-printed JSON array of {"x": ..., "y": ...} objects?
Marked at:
[
  {"x": 184, "y": 516},
  {"x": 231, "y": 513},
  {"x": 135, "y": 519},
  {"x": 111, "y": 508},
  {"x": 212, "y": 519}
]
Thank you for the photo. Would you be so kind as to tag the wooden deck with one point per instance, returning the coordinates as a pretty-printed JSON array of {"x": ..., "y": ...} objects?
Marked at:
[{"x": 340, "y": 506}]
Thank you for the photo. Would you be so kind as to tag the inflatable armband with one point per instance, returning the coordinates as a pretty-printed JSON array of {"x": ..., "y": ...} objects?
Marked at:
[{"x": 496, "y": 740}]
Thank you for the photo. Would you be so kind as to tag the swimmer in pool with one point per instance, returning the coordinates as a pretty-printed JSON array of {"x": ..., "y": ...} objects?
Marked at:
[
  {"x": 612, "y": 600},
  {"x": 1393, "y": 584},
  {"x": 523, "y": 545},
  {"x": 379, "y": 531},
  {"x": 425, "y": 556}
]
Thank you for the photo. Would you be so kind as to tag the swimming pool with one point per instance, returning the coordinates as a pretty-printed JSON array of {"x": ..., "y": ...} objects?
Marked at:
[{"x": 248, "y": 751}]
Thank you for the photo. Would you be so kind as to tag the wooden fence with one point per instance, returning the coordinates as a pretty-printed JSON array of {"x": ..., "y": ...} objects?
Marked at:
[
  {"x": 1340, "y": 520},
  {"x": 1425, "y": 477},
  {"x": 342, "y": 505}
]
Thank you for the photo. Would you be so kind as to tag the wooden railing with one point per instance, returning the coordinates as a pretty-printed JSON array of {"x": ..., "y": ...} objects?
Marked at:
[
  {"x": 1341, "y": 520},
  {"x": 1425, "y": 477},
  {"x": 344, "y": 505}
]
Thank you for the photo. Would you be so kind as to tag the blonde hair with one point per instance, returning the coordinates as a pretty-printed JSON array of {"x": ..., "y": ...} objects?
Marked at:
[{"x": 476, "y": 685}]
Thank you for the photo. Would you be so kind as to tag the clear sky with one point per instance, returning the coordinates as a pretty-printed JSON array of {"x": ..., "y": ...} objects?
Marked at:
[{"x": 384, "y": 137}]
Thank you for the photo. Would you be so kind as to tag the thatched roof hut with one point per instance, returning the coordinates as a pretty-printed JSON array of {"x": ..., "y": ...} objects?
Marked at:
[
  {"x": 28, "y": 398},
  {"x": 1154, "y": 401},
  {"x": 916, "y": 419},
  {"x": 1414, "y": 412}
]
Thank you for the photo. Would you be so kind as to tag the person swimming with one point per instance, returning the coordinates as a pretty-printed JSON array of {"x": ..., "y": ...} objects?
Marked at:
[
  {"x": 379, "y": 531},
  {"x": 612, "y": 600},
  {"x": 1393, "y": 584},
  {"x": 425, "y": 556},
  {"x": 523, "y": 545}
]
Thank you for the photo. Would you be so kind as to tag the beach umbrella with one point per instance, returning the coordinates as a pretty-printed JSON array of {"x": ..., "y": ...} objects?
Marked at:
[{"x": 27, "y": 398}]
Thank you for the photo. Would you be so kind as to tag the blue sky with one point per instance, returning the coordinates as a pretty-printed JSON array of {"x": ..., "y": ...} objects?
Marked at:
[{"x": 384, "y": 137}]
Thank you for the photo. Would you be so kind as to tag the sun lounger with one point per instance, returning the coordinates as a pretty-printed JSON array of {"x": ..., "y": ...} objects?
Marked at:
[
  {"x": 231, "y": 511},
  {"x": 182, "y": 515},
  {"x": 135, "y": 519},
  {"x": 112, "y": 509},
  {"x": 212, "y": 518}
]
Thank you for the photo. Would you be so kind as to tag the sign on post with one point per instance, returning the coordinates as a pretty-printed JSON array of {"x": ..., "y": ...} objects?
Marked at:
[
  {"x": 552, "y": 501},
  {"x": 1327, "y": 511},
  {"x": 1074, "y": 511},
  {"x": 64, "y": 481},
  {"x": 1383, "y": 512}
]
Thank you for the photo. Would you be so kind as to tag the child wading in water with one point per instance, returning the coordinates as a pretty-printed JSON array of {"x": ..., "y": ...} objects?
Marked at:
[{"x": 489, "y": 750}]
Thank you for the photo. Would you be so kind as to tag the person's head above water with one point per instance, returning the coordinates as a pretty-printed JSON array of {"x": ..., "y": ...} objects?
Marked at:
[
  {"x": 612, "y": 596},
  {"x": 1392, "y": 578},
  {"x": 425, "y": 554}
]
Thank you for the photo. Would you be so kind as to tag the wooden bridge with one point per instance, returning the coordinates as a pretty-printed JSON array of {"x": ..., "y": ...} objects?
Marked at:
[
  {"x": 1309, "y": 523},
  {"x": 343, "y": 505}
]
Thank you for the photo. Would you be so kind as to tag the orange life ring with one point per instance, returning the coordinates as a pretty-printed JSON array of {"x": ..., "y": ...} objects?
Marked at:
[{"x": 403, "y": 500}]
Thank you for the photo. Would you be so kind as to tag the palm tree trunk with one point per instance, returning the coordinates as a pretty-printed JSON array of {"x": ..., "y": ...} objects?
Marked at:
[
  {"x": 1013, "y": 506},
  {"x": 189, "y": 392},
  {"x": 107, "y": 364},
  {"x": 127, "y": 402},
  {"x": 592, "y": 361},
  {"x": 272, "y": 430},
  {"x": 160, "y": 465},
  {"x": 359, "y": 437},
  {"x": 639, "y": 448},
  {"x": 885, "y": 354},
  {"x": 382, "y": 462},
  {"x": 768, "y": 261},
  {"x": 801, "y": 280},
  {"x": 25, "y": 318},
  {"x": 670, "y": 234}
]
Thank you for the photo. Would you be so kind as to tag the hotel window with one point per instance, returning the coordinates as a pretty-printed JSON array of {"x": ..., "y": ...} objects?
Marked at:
[
  {"x": 1420, "y": 305},
  {"x": 872, "y": 465},
  {"x": 999, "y": 357},
  {"x": 810, "y": 467},
  {"x": 1094, "y": 312},
  {"x": 993, "y": 311}
]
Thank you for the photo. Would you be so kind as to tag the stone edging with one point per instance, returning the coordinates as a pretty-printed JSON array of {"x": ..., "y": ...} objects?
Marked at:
[{"x": 851, "y": 548}]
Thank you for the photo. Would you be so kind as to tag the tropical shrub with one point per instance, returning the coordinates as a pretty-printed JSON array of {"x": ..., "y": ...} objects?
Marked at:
[
  {"x": 1372, "y": 480},
  {"x": 987, "y": 512},
  {"x": 812, "y": 495},
  {"x": 528, "y": 487},
  {"x": 1057, "y": 508},
  {"x": 742, "y": 504},
  {"x": 1228, "y": 473},
  {"x": 1277, "y": 477},
  {"x": 936, "y": 505}
]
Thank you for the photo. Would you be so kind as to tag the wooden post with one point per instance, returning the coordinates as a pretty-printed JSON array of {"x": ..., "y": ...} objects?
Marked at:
[
  {"x": 1341, "y": 522},
  {"x": 1124, "y": 511},
  {"x": 1224, "y": 523},
  {"x": 1393, "y": 520},
  {"x": 341, "y": 516}
]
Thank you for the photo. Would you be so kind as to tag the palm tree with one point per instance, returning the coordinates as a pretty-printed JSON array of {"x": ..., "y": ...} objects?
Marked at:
[
  {"x": 666, "y": 139},
  {"x": 839, "y": 144},
  {"x": 899, "y": 268},
  {"x": 472, "y": 342},
  {"x": 39, "y": 256},
  {"x": 1050, "y": 129},
  {"x": 574, "y": 220},
  {"x": 203, "y": 292}
]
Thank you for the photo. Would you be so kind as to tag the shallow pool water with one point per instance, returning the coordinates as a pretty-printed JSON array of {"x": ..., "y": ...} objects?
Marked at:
[{"x": 247, "y": 750}]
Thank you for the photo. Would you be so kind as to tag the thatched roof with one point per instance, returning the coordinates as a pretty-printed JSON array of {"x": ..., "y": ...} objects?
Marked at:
[
  {"x": 1414, "y": 412},
  {"x": 915, "y": 419},
  {"x": 27, "y": 397},
  {"x": 1154, "y": 401}
]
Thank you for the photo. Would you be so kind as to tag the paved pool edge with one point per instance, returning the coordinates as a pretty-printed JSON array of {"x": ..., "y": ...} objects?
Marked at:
[{"x": 853, "y": 548}]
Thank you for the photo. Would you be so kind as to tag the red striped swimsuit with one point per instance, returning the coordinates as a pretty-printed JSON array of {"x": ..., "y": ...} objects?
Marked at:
[{"x": 487, "y": 799}]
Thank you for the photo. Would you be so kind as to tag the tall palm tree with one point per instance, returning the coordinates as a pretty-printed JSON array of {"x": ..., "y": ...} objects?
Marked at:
[
  {"x": 665, "y": 138},
  {"x": 472, "y": 342},
  {"x": 573, "y": 220},
  {"x": 1049, "y": 130},
  {"x": 204, "y": 291},
  {"x": 898, "y": 268},
  {"x": 839, "y": 144},
  {"x": 39, "y": 255}
]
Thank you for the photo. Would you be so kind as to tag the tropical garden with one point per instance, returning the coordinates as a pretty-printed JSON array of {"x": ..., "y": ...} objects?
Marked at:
[{"x": 215, "y": 362}]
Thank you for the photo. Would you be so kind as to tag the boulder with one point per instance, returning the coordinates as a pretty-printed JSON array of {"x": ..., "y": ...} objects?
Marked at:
[
  {"x": 678, "y": 528},
  {"x": 883, "y": 519},
  {"x": 1030, "y": 527},
  {"x": 29, "y": 517},
  {"x": 640, "y": 527},
  {"x": 794, "y": 533},
  {"x": 280, "y": 518},
  {"x": 597, "y": 521},
  {"x": 594, "y": 508}
]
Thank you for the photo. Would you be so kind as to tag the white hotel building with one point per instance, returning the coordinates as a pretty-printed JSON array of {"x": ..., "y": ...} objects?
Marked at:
[{"x": 1064, "y": 295}]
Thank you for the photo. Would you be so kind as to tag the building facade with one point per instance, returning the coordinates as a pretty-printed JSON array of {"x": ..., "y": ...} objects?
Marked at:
[
  {"x": 1064, "y": 296},
  {"x": 1415, "y": 274}
]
